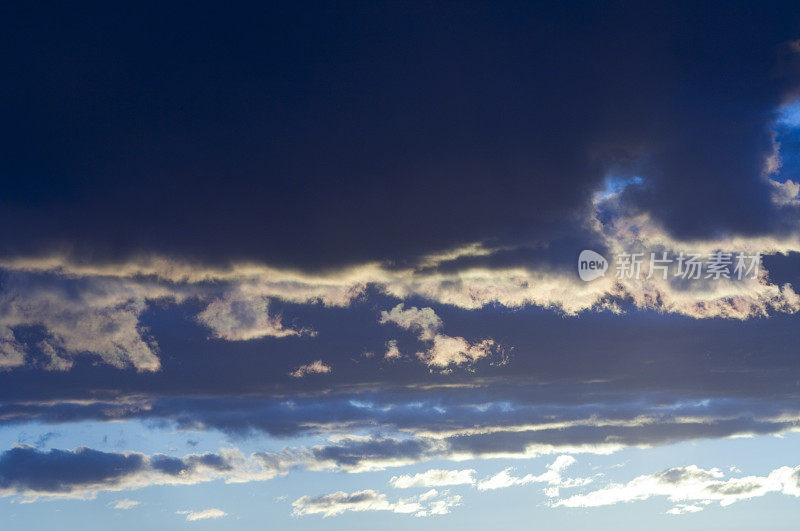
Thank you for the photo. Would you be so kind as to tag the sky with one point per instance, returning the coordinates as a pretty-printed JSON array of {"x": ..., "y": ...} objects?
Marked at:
[{"x": 449, "y": 265}]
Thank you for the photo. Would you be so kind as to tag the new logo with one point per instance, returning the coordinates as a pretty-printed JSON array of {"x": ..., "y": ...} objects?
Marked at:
[{"x": 591, "y": 265}]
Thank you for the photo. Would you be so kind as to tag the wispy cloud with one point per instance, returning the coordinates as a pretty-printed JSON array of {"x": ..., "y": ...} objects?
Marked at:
[
  {"x": 126, "y": 504},
  {"x": 434, "y": 478},
  {"x": 429, "y": 503},
  {"x": 205, "y": 514},
  {"x": 552, "y": 477}
]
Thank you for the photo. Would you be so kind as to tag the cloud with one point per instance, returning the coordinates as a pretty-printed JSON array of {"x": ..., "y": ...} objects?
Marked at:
[
  {"x": 315, "y": 367},
  {"x": 785, "y": 193},
  {"x": 243, "y": 317},
  {"x": 434, "y": 478},
  {"x": 83, "y": 472},
  {"x": 501, "y": 179},
  {"x": 552, "y": 476},
  {"x": 369, "y": 500},
  {"x": 392, "y": 351},
  {"x": 11, "y": 352},
  {"x": 476, "y": 226},
  {"x": 498, "y": 419},
  {"x": 339, "y": 502},
  {"x": 443, "y": 351},
  {"x": 424, "y": 322},
  {"x": 691, "y": 488},
  {"x": 205, "y": 514},
  {"x": 447, "y": 351},
  {"x": 440, "y": 506},
  {"x": 96, "y": 308},
  {"x": 99, "y": 316},
  {"x": 472, "y": 277},
  {"x": 685, "y": 509},
  {"x": 126, "y": 504},
  {"x": 355, "y": 454}
]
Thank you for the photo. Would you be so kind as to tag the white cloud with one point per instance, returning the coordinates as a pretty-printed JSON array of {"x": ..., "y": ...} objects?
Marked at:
[
  {"x": 685, "y": 509},
  {"x": 786, "y": 193},
  {"x": 552, "y": 476},
  {"x": 126, "y": 504},
  {"x": 205, "y": 514},
  {"x": 315, "y": 367},
  {"x": 690, "y": 488},
  {"x": 434, "y": 478},
  {"x": 424, "y": 322},
  {"x": 440, "y": 506},
  {"x": 447, "y": 351}
]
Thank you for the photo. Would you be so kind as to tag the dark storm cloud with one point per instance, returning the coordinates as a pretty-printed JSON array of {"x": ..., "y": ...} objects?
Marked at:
[{"x": 315, "y": 136}]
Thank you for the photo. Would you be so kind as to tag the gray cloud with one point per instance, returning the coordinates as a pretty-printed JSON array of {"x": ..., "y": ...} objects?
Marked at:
[
  {"x": 83, "y": 472},
  {"x": 430, "y": 503}
]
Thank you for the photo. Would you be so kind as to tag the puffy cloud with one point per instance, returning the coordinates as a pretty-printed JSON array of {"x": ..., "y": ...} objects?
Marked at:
[
  {"x": 434, "y": 478},
  {"x": 205, "y": 514},
  {"x": 691, "y": 488},
  {"x": 447, "y": 351},
  {"x": 369, "y": 500},
  {"x": 315, "y": 367},
  {"x": 99, "y": 316},
  {"x": 240, "y": 317},
  {"x": 424, "y": 322},
  {"x": 443, "y": 351}
]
